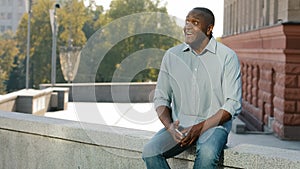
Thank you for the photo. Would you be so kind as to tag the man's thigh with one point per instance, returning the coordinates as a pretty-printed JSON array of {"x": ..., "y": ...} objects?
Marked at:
[
  {"x": 160, "y": 143},
  {"x": 213, "y": 141}
]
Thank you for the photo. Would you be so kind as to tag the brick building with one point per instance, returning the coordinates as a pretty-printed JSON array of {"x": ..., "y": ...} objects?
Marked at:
[{"x": 266, "y": 36}]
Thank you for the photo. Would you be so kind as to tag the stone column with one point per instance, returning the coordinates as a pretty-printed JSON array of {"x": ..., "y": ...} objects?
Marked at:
[
  {"x": 273, "y": 11},
  {"x": 225, "y": 19},
  {"x": 247, "y": 14},
  {"x": 243, "y": 16},
  {"x": 294, "y": 10},
  {"x": 259, "y": 7},
  {"x": 266, "y": 12},
  {"x": 236, "y": 22},
  {"x": 253, "y": 14}
]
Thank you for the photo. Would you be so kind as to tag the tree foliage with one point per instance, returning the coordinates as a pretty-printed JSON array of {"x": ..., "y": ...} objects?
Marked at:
[
  {"x": 8, "y": 51},
  {"x": 77, "y": 24},
  {"x": 71, "y": 18},
  {"x": 128, "y": 46},
  {"x": 94, "y": 20},
  {"x": 40, "y": 42}
]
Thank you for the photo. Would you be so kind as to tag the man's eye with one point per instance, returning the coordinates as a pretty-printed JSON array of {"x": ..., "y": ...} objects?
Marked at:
[{"x": 195, "y": 23}]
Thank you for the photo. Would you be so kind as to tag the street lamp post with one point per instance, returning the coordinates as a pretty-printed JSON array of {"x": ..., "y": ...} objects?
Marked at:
[
  {"x": 28, "y": 43},
  {"x": 54, "y": 34}
]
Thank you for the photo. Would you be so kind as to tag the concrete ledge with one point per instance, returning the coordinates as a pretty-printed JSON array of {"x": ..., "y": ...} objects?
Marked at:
[
  {"x": 59, "y": 98},
  {"x": 29, "y": 141},
  {"x": 253, "y": 156},
  {"x": 35, "y": 101},
  {"x": 109, "y": 92},
  {"x": 8, "y": 102}
]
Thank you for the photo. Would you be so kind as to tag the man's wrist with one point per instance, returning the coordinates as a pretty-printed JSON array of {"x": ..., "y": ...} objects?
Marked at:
[{"x": 168, "y": 126}]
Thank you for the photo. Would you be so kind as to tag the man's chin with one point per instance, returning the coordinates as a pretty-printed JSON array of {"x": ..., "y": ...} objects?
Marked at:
[{"x": 188, "y": 41}]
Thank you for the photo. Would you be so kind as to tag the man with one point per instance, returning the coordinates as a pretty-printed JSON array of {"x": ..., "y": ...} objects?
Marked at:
[{"x": 198, "y": 93}]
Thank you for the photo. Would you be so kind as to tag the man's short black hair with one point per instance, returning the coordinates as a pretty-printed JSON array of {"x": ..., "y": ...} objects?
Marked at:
[{"x": 208, "y": 15}]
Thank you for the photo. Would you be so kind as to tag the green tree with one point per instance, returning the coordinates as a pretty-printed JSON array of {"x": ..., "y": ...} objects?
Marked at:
[
  {"x": 40, "y": 40},
  {"x": 77, "y": 23},
  {"x": 8, "y": 51},
  {"x": 71, "y": 18},
  {"x": 120, "y": 8},
  {"x": 72, "y": 37},
  {"x": 93, "y": 20},
  {"x": 17, "y": 76}
]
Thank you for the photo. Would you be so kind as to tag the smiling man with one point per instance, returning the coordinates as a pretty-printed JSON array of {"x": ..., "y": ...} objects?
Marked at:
[{"x": 198, "y": 93}]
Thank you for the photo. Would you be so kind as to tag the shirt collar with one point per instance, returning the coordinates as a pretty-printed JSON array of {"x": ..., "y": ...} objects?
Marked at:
[
  {"x": 211, "y": 46},
  {"x": 186, "y": 47}
]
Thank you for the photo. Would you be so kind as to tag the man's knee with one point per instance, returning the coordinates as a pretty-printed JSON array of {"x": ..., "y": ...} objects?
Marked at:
[
  {"x": 145, "y": 152},
  {"x": 149, "y": 150},
  {"x": 207, "y": 157},
  {"x": 206, "y": 152}
]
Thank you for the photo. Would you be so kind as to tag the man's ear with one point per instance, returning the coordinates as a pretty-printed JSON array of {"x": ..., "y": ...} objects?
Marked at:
[{"x": 209, "y": 29}]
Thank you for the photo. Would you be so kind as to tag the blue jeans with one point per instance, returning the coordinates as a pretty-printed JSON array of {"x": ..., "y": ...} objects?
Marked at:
[{"x": 209, "y": 147}]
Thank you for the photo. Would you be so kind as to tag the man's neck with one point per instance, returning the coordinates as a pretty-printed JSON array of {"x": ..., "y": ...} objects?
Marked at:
[{"x": 198, "y": 48}]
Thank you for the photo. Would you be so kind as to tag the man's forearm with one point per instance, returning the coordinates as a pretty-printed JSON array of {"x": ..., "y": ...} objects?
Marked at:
[
  {"x": 197, "y": 130},
  {"x": 164, "y": 115},
  {"x": 219, "y": 118}
]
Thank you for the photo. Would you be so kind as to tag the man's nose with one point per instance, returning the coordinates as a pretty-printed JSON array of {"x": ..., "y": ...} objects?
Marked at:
[{"x": 188, "y": 25}]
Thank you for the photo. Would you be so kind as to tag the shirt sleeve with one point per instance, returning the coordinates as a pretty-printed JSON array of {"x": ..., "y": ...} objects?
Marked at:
[
  {"x": 232, "y": 86},
  {"x": 163, "y": 91}
]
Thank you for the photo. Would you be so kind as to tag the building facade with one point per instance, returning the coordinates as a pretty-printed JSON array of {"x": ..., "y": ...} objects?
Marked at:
[
  {"x": 11, "y": 11},
  {"x": 266, "y": 36}
]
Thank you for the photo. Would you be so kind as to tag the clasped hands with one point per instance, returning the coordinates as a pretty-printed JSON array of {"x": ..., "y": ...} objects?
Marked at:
[{"x": 186, "y": 136}]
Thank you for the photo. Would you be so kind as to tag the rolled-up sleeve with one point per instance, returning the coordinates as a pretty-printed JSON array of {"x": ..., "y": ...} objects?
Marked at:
[
  {"x": 163, "y": 91},
  {"x": 232, "y": 85}
]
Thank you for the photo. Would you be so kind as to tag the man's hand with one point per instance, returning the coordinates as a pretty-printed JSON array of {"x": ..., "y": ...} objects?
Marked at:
[
  {"x": 192, "y": 134},
  {"x": 175, "y": 134}
]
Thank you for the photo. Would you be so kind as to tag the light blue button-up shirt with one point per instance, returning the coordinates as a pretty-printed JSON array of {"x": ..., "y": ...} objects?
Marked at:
[{"x": 196, "y": 86}]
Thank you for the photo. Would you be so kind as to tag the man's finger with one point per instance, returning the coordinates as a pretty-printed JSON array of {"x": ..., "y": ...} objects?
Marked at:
[
  {"x": 185, "y": 141},
  {"x": 191, "y": 142},
  {"x": 176, "y": 123}
]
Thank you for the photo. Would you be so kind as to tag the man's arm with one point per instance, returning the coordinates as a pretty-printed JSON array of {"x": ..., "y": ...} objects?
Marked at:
[
  {"x": 164, "y": 115},
  {"x": 196, "y": 130}
]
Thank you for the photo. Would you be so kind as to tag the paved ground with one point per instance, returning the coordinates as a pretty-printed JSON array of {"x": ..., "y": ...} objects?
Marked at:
[
  {"x": 139, "y": 116},
  {"x": 142, "y": 116}
]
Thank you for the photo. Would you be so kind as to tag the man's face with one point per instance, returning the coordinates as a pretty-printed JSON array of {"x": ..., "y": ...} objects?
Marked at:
[{"x": 195, "y": 28}]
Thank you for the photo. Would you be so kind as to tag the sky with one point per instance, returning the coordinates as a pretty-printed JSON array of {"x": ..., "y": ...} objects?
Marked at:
[{"x": 180, "y": 8}]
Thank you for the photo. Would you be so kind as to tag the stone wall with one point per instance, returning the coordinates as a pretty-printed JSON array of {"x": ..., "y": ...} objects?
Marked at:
[
  {"x": 109, "y": 92},
  {"x": 36, "y": 102},
  {"x": 29, "y": 141},
  {"x": 270, "y": 65}
]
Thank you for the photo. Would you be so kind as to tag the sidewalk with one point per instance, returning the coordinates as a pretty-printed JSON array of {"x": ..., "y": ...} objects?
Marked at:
[{"x": 143, "y": 116}]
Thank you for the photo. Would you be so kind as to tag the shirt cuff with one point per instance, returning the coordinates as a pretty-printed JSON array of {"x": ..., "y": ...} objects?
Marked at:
[
  {"x": 233, "y": 107},
  {"x": 161, "y": 102}
]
